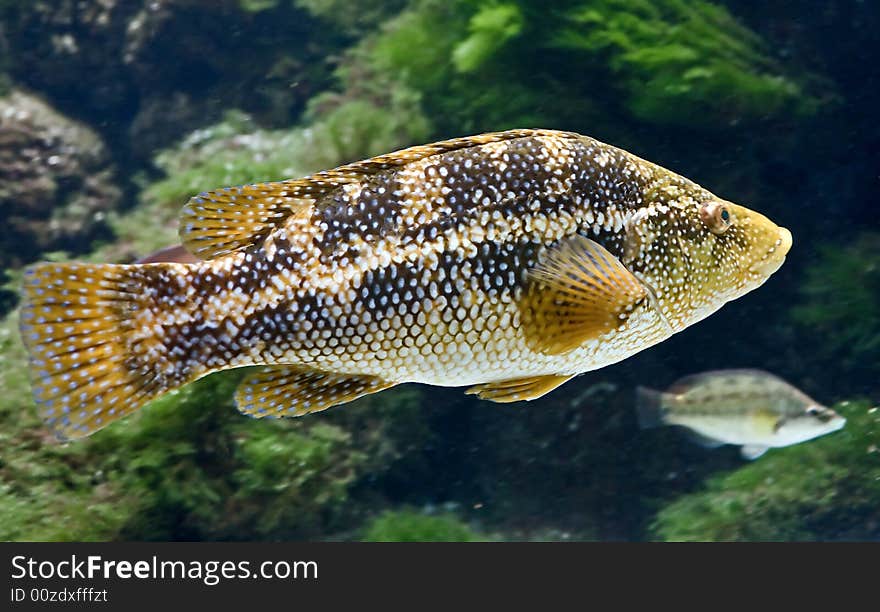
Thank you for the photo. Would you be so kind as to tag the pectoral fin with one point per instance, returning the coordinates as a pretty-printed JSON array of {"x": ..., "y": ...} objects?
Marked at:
[
  {"x": 288, "y": 391},
  {"x": 752, "y": 451},
  {"x": 517, "y": 389},
  {"x": 578, "y": 292}
]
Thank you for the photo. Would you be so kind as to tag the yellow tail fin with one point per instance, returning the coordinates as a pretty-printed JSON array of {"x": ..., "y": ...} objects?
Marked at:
[{"x": 90, "y": 361}]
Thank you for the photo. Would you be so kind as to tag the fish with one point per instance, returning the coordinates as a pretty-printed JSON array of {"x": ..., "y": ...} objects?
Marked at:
[
  {"x": 506, "y": 262},
  {"x": 750, "y": 408}
]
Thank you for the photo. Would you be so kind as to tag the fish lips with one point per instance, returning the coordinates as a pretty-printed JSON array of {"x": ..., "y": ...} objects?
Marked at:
[{"x": 775, "y": 256}]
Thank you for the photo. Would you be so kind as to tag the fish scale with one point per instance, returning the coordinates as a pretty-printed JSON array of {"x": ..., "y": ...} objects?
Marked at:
[{"x": 509, "y": 261}]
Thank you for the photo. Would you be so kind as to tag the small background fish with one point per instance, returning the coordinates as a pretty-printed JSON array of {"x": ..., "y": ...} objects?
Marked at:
[{"x": 751, "y": 408}]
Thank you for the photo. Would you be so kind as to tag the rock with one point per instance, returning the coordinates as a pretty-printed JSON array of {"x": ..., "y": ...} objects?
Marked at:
[
  {"x": 56, "y": 181},
  {"x": 143, "y": 72},
  {"x": 66, "y": 49}
]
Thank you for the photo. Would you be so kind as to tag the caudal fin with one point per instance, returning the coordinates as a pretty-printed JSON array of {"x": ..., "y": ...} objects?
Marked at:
[
  {"x": 649, "y": 408},
  {"x": 90, "y": 360}
]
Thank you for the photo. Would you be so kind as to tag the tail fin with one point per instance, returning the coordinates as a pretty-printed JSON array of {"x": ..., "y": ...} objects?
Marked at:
[
  {"x": 89, "y": 363},
  {"x": 649, "y": 407}
]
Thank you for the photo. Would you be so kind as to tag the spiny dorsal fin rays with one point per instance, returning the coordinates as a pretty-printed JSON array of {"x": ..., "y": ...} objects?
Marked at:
[
  {"x": 218, "y": 222},
  {"x": 577, "y": 293},
  {"x": 405, "y": 156},
  {"x": 286, "y": 391}
]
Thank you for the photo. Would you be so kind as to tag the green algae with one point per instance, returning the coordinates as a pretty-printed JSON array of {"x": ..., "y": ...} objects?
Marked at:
[
  {"x": 666, "y": 63},
  {"x": 256, "y": 6},
  {"x": 235, "y": 152},
  {"x": 412, "y": 526},
  {"x": 491, "y": 27},
  {"x": 188, "y": 465},
  {"x": 680, "y": 62}
]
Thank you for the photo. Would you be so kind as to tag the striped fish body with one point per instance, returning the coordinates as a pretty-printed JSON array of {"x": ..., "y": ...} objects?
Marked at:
[{"x": 509, "y": 261}]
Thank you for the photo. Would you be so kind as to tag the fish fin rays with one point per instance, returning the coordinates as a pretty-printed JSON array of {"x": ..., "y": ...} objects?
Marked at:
[
  {"x": 752, "y": 451},
  {"x": 517, "y": 389},
  {"x": 290, "y": 391},
  {"x": 578, "y": 292},
  {"x": 218, "y": 222},
  {"x": 88, "y": 368}
]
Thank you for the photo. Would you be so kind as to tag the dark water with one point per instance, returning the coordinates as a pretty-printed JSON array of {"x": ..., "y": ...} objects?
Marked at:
[{"x": 115, "y": 112}]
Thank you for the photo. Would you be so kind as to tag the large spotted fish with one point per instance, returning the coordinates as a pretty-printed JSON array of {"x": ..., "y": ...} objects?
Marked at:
[{"x": 509, "y": 262}]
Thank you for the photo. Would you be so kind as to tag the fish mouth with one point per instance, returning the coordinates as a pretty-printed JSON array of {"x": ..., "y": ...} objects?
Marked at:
[{"x": 774, "y": 257}]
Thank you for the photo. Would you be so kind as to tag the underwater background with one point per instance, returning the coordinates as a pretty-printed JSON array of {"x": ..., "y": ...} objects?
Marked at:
[{"x": 114, "y": 112}]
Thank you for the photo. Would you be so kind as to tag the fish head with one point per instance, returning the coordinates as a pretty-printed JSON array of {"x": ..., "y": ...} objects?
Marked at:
[
  {"x": 813, "y": 421},
  {"x": 695, "y": 252}
]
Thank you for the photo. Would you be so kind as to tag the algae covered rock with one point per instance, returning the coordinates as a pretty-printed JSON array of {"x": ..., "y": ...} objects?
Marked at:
[
  {"x": 57, "y": 181},
  {"x": 683, "y": 62},
  {"x": 412, "y": 526},
  {"x": 189, "y": 466},
  {"x": 237, "y": 151},
  {"x": 666, "y": 63},
  {"x": 108, "y": 62}
]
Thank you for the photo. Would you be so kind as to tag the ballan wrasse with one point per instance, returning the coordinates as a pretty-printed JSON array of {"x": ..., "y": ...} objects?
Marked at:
[
  {"x": 751, "y": 408},
  {"x": 508, "y": 261}
]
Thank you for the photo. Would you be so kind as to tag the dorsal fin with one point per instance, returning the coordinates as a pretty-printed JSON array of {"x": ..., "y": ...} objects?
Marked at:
[{"x": 215, "y": 223}]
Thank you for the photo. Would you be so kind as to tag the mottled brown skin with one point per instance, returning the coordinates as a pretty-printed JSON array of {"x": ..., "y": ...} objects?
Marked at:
[{"x": 511, "y": 261}]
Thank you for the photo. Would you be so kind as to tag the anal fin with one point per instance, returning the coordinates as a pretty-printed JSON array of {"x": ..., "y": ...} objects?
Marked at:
[
  {"x": 517, "y": 389},
  {"x": 290, "y": 391}
]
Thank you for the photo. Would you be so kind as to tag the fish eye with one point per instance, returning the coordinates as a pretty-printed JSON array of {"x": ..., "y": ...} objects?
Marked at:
[
  {"x": 822, "y": 415},
  {"x": 716, "y": 216}
]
